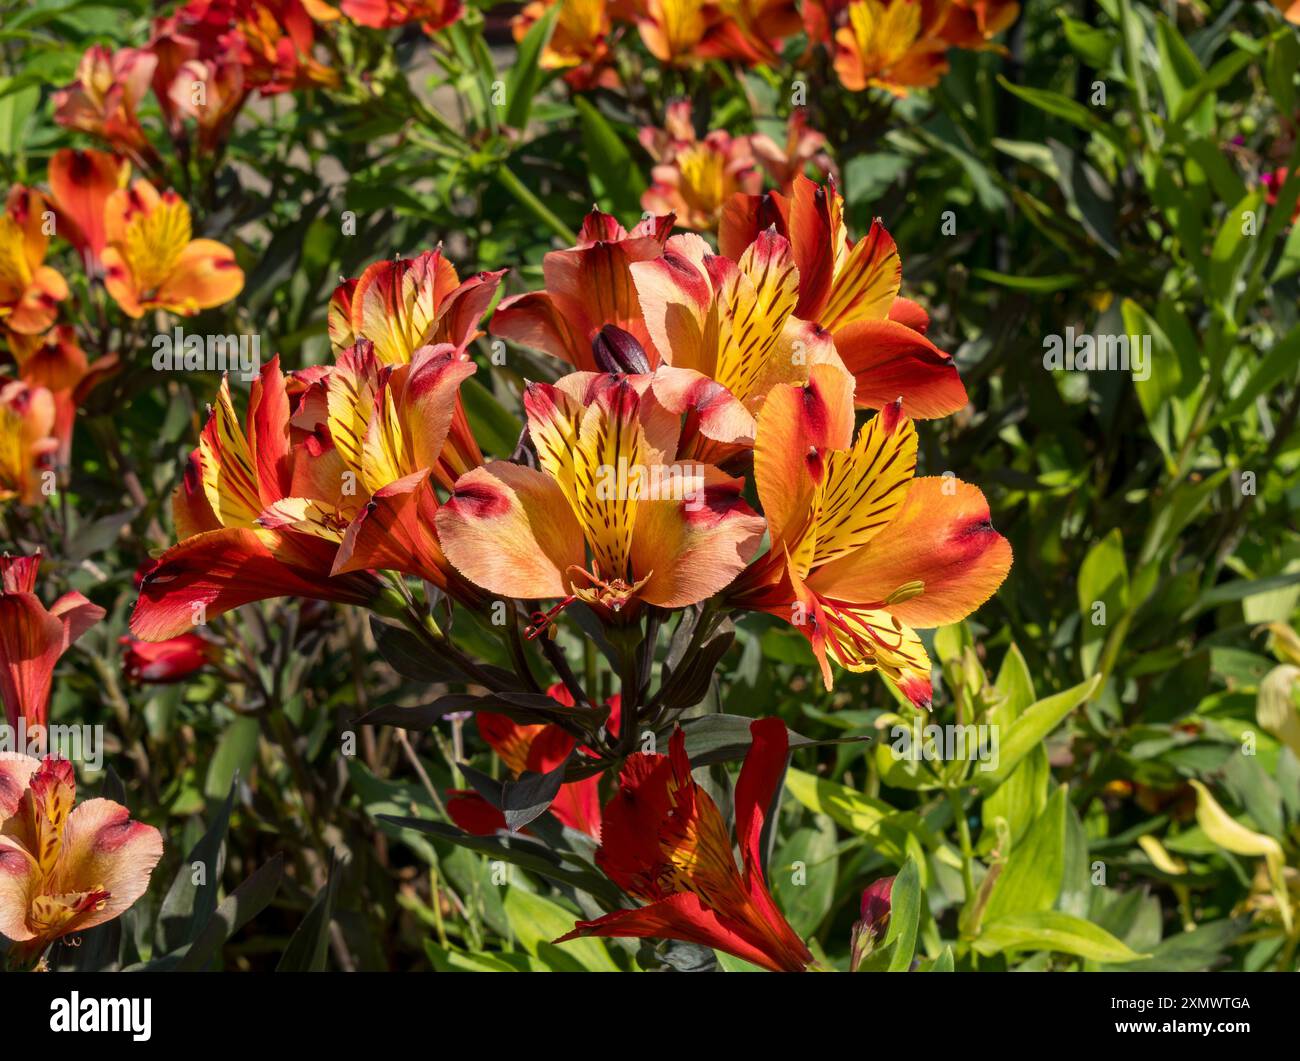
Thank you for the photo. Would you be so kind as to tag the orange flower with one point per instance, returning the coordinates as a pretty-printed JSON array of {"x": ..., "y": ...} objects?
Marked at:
[
  {"x": 803, "y": 146},
  {"x": 852, "y": 290},
  {"x": 27, "y": 442},
  {"x": 732, "y": 335},
  {"x": 587, "y": 287},
  {"x": 64, "y": 868},
  {"x": 81, "y": 183},
  {"x": 694, "y": 177},
  {"x": 579, "y": 42},
  {"x": 664, "y": 842},
  {"x": 385, "y": 14},
  {"x": 103, "y": 100},
  {"x": 862, "y": 552},
  {"x": 33, "y": 637},
  {"x": 973, "y": 24},
  {"x": 610, "y": 519},
  {"x": 891, "y": 44},
  {"x": 686, "y": 31},
  {"x": 152, "y": 263},
  {"x": 30, "y": 291},
  {"x": 539, "y": 749},
  {"x": 227, "y": 557},
  {"x": 364, "y": 479},
  {"x": 56, "y": 363}
]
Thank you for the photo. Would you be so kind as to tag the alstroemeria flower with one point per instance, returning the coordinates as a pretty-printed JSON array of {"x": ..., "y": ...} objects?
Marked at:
[
  {"x": 432, "y": 15},
  {"x": 664, "y": 842},
  {"x": 227, "y": 557},
  {"x": 861, "y": 551},
  {"x": 538, "y": 749},
  {"x": 27, "y": 440},
  {"x": 152, "y": 263},
  {"x": 851, "y": 289},
  {"x": 30, "y": 291},
  {"x": 64, "y": 868},
  {"x": 871, "y": 926},
  {"x": 103, "y": 100},
  {"x": 81, "y": 183},
  {"x": 404, "y": 305},
  {"x": 587, "y": 287},
  {"x": 694, "y": 178},
  {"x": 378, "y": 439},
  {"x": 730, "y": 333},
  {"x": 271, "y": 39},
  {"x": 804, "y": 146},
  {"x": 579, "y": 42},
  {"x": 611, "y": 518},
  {"x": 56, "y": 363},
  {"x": 33, "y": 637},
  {"x": 973, "y": 24},
  {"x": 162, "y": 662},
  {"x": 891, "y": 44}
]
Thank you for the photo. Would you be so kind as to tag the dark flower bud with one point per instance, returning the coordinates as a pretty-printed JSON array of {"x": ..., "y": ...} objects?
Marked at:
[{"x": 618, "y": 351}]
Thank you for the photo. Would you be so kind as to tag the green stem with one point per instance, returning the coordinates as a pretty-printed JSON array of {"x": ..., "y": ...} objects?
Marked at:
[{"x": 534, "y": 205}]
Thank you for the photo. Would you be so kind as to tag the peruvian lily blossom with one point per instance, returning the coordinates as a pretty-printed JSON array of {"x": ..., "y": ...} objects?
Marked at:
[
  {"x": 33, "y": 637},
  {"x": 64, "y": 868},
  {"x": 432, "y": 15},
  {"x": 579, "y": 44},
  {"x": 81, "y": 183},
  {"x": 163, "y": 662},
  {"x": 227, "y": 557},
  {"x": 30, "y": 291},
  {"x": 892, "y": 44},
  {"x": 537, "y": 749},
  {"x": 404, "y": 305},
  {"x": 380, "y": 437},
  {"x": 693, "y": 177},
  {"x": 664, "y": 842},
  {"x": 804, "y": 146},
  {"x": 151, "y": 261},
  {"x": 861, "y": 551},
  {"x": 610, "y": 518},
  {"x": 587, "y": 287},
  {"x": 731, "y": 334},
  {"x": 28, "y": 418},
  {"x": 851, "y": 289},
  {"x": 104, "y": 98}
]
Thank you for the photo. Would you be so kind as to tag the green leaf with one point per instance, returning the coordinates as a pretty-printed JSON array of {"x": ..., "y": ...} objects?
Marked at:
[
  {"x": 239, "y": 907},
  {"x": 1054, "y": 931},
  {"x": 309, "y": 944},
  {"x": 1103, "y": 595},
  {"x": 188, "y": 905},
  {"x": 536, "y": 921},
  {"x": 615, "y": 177},
  {"x": 1031, "y": 729},
  {"x": 526, "y": 73},
  {"x": 803, "y": 874},
  {"x": 1032, "y": 876}
]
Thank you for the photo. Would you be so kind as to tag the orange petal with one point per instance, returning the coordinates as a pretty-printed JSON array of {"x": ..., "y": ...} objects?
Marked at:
[
  {"x": 510, "y": 530},
  {"x": 205, "y": 275},
  {"x": 942, "y": 537},
  {"x": 81, "y": 182},
  {"x": 889, "y": 360},
  {"x": 104, "y": 849}
]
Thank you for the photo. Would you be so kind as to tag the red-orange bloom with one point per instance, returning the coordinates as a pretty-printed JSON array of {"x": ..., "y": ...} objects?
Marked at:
[
  {"x": 27, "y": 441},
  {"x": 30, "y": 291},
  {"x": 803, "y": 147},
  {"x": 892, "y": 44},
  {"x": 579, "y": 43},
  {"x": 227, "y": 557},
  {"x": 161, "y": 662},
  {"x": 103, "y": 100},
  {"x": 861, "y": 551},
  {"x": 33, "y": 637},
  {"x": 538, "y": 749},
  {"x": 64, "y": 868},
  {"x": 851, "y": 289},
  {"x": 152, "y": 263},
  {"x": 433, "y": 15},
  {"x": 587, "y": 287},
  {"x": 664, "y": 842},
  {"x": 693, "y": 178},
  {"x": 973, "y": 24},
  {"x": 81, "y": 183}
]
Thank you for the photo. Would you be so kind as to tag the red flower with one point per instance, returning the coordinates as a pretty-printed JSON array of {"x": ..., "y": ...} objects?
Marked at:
[
  {"x": 665, "y": 842},
  {"x": 161, "y": 662},
  {"x": 33, "y": 637},
  {"x": 539, "y": 749}
]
